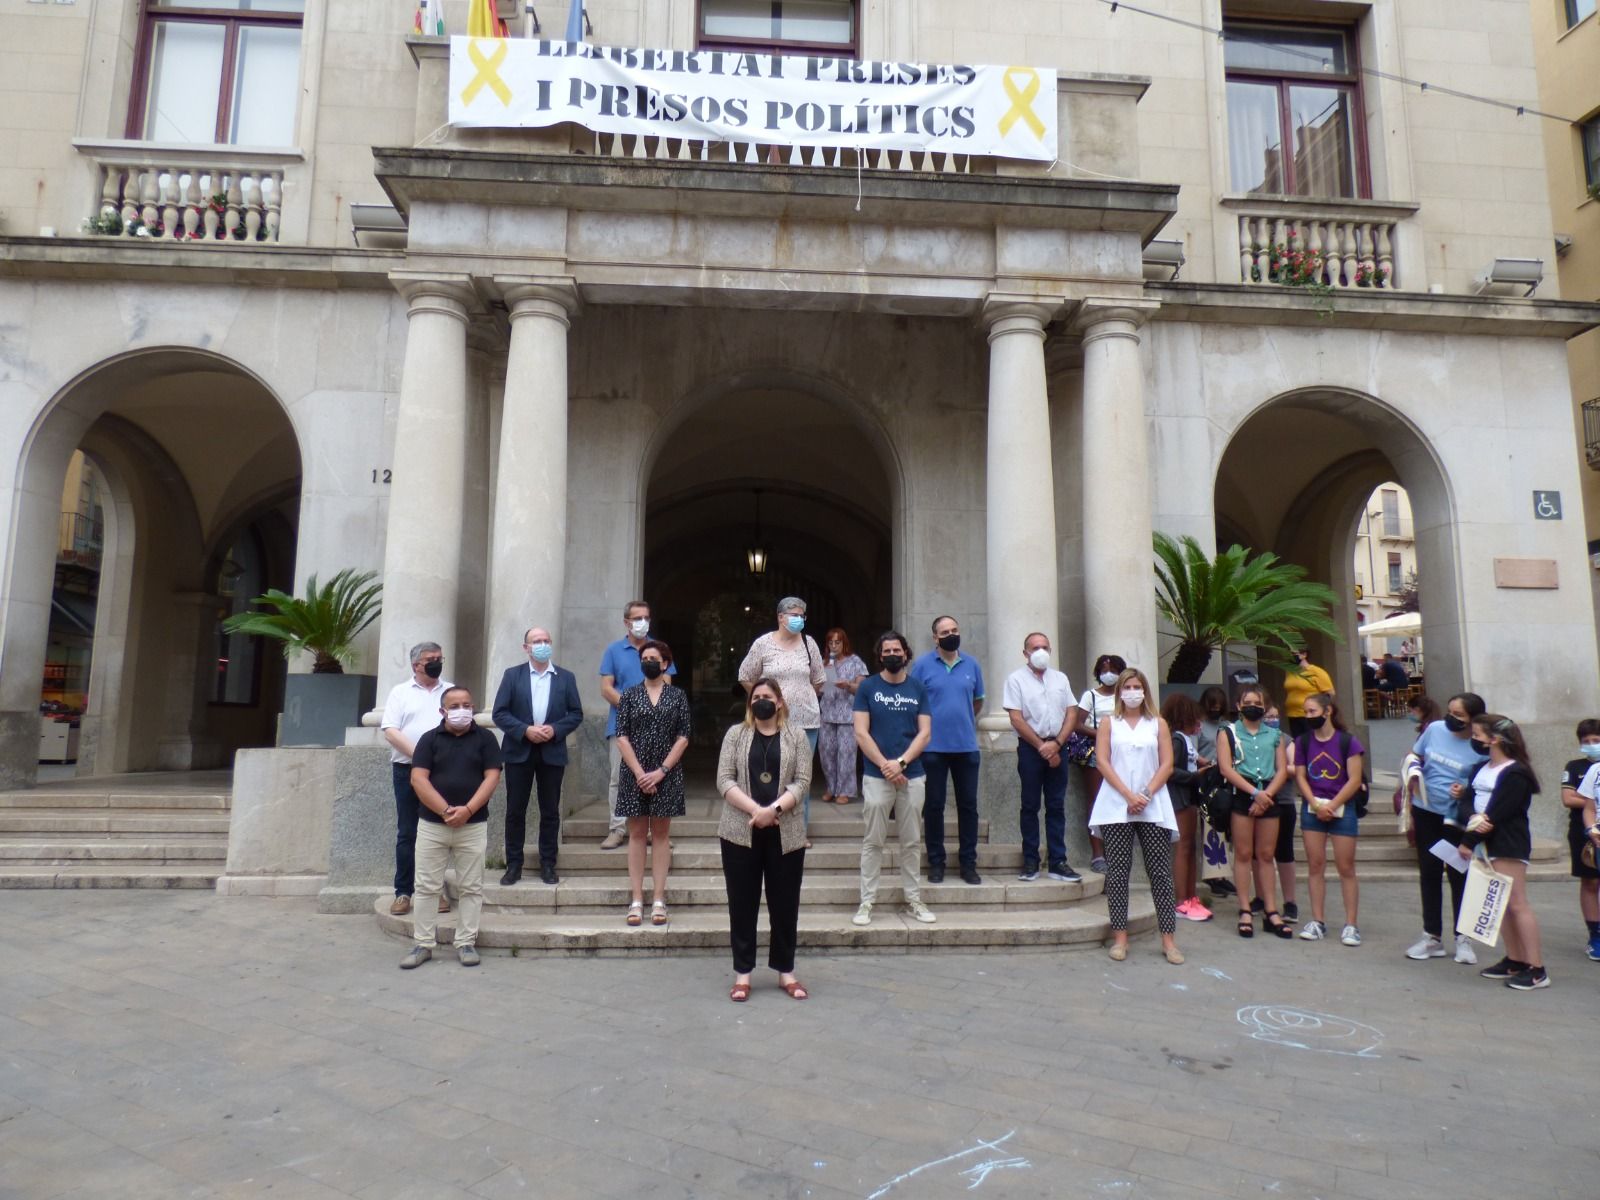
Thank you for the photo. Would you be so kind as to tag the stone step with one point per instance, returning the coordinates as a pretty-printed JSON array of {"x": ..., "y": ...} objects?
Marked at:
[
  {"x": 685, "y": 889},
  {"x": 706, "y": 930},
  {"x": 154, "y": 876},
  {"x": 50, "y": 798},
  {"x": 208, "y": 849},
  {"x": 113, "y": 820},
  {"x": 705, "y": 854}
]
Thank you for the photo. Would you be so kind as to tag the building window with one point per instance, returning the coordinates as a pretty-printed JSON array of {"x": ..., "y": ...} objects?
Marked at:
[
  {"x": 779, "y": 26},
  {"x": 1396, "y": 584},
  {"x": 1591, "y": 152},
  {"x": 218, "y": 71},
  {"x": 1577, "y": 10},
  {"x": 1391, "y": 513},
  {"x": 1298, "y": 88}
]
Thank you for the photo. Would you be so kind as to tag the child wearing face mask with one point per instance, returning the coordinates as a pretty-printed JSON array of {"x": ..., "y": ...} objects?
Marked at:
[
  {"x": 1580, "y": 783},
  {"x": 1445, "y": 761}
]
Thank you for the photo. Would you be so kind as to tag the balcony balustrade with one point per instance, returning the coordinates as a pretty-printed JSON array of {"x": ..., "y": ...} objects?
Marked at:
[{"x": 1334, "y": 243}]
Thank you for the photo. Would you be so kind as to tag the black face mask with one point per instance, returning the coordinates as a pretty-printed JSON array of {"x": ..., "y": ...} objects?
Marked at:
[
  {"x": 763, "y": 710},
  {"x": 1252, "y": 712},
  {"x": 950, "y": 642},
  {"x": 433, "y": 669},
  {"x": 892, "y": 663},
  {"x": 651, "y": 668},
  {"x": 1454, "y": 723},
  {"x": 1478, "y": 747},
  {"x": 1317, "y": 722}
]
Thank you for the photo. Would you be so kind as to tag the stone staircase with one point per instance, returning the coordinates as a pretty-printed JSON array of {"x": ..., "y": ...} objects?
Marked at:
[
  {"x": 1382, "y": 854},
  {"x": 157, "y": 830},
  {"x": 584, "y": 913}
]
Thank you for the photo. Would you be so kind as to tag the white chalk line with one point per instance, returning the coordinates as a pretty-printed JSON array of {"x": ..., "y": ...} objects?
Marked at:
[{"x": 950, "y": 1158}]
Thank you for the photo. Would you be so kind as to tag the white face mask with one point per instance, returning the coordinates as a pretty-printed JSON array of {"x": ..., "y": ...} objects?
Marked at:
[
  {"x": 1039, "y": 660},
  {"x": 1108, "y": 677},
  {"x": 458, "y": 718},
  {"x": 640, "y": 627},
  {"x": 1133, "y": 698}
]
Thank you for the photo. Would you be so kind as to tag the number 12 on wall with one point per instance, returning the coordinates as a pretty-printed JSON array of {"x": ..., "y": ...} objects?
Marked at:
[{"x": 384, "y": 475}]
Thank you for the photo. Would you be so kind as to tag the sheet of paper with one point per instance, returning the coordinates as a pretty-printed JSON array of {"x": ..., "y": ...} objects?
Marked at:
[{"x": 1449, "y": 855}]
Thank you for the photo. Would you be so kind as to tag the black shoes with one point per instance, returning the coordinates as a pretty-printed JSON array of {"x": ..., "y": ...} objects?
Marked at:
[
  {"x": 935, "y": 874},
  {"x": 1506, "y": 968},
  {"x": 1062, "y": 872},
  {"x": 511, "y": 876},
  {"x": 1291, "y": 911},
  {"x": 970, "y": 875},
  {"x": 1529, "y": 978},
  {"x": 547, "y": 873}
]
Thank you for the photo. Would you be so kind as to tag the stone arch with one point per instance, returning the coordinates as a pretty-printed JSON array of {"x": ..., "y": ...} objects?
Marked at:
[
  {"x": 1294, "y": 475},
  {"x": 174, "y": 429}
]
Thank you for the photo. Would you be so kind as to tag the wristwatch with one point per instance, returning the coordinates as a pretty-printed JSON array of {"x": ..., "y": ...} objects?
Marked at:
[{"x": 902, "y": 763}]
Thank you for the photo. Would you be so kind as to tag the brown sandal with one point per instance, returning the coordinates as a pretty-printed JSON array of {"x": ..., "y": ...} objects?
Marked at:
[
  {"x": 658, "y": 912},
  {"x": 796, "y": 989},
  {"x": 739, "y": 993}
]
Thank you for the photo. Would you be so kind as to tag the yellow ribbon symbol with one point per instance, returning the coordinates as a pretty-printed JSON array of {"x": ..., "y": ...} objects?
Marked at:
[
  {"x": 488, "y": 75},
  {"x": 1021, "y": 101}
]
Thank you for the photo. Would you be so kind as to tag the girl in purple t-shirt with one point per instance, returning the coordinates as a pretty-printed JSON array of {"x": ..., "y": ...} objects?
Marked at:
[{"x": 1327, "y": 764}]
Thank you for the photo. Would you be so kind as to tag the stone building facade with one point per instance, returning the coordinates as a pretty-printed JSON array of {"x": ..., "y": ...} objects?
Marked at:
[{"x": 570, "y": 369}]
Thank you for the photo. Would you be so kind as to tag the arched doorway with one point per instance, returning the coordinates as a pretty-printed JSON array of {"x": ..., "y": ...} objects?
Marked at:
[
  {"x": 775, "y": 469},
  {"x": 1296, "y": 478},
  {"x": 197, "y": 470}
]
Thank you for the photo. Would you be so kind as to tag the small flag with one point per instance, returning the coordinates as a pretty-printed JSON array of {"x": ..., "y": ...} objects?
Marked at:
[
  {"x": 482, "y": 21},
  {"x": 419, "y": 18},
  {"x": 575, "y": 22}
]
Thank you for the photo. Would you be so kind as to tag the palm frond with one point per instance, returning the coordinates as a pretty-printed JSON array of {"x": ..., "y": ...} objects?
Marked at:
[{"x": 326, "y": 622}]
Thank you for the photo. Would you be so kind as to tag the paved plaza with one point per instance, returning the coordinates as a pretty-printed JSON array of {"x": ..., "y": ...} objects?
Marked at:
[{"x": 180, "y": 1045}]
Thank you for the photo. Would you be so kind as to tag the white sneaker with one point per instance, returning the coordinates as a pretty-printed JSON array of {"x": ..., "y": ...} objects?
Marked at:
[
  {"x": 1314, "y": 931},
  {"x": 1464, "y": 952},
  {"x": 863, "y": 915},
  {"x": 1427, "y": 946},
  {"x": 920, "y": 911},
  {"x": 1351, "y": 936}
]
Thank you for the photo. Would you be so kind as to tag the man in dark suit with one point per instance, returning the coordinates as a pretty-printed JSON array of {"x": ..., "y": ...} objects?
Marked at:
[{"x": 537, "y": 707}]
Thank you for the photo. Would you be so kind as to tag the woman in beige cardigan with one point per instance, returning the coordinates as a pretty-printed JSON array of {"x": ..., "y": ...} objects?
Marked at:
[{"x": 763, "y": 772}]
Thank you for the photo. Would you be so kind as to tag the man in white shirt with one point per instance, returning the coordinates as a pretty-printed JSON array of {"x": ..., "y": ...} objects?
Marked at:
[
  {"x": 1038, "y": 698},
  {"x": 413, "y": 708}
]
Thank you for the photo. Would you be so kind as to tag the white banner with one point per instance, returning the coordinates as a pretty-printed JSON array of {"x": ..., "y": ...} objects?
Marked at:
[{"x": 717, "y": 95}]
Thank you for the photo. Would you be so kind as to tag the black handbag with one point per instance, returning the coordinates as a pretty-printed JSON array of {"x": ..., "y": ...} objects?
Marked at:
[{"x": 1215, "y": 793}]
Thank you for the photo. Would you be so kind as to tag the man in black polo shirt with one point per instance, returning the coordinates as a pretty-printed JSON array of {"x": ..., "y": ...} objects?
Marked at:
[{"x": 454, "y": 770}]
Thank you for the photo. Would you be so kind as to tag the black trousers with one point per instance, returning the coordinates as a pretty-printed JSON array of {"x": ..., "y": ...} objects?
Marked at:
[
  {"x": 520, "y": 780},
  {"x": 962, "y": 770},
  {"x": 744, "y": 868},
  {"x": 1430, "y": 827},
  {"x": 405, "y": 829}
]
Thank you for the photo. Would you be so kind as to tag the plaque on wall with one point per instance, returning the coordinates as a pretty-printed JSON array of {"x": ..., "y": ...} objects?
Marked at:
[{"x": 1525, "y": 573}]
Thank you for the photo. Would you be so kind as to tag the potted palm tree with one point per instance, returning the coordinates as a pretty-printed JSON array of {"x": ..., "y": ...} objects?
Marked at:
[
  {"x": 1235, "y": 598},
  {"x": 317, "y": 708}
]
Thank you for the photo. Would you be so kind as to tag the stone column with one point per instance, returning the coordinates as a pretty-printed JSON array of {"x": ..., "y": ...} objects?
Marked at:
[
  {"x": 528, "y": 544},
  {"x": 1118, "y": 562},
  {"x": 422, "y": 548},
  {"x": 1021, "y": 522}
]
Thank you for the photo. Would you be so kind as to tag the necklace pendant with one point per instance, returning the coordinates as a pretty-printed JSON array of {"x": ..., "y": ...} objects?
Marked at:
[{"x": 766, "y": 777}]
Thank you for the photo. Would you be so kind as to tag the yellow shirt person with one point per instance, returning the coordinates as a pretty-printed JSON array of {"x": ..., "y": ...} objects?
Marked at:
[{"x": 1302, "y": 681}]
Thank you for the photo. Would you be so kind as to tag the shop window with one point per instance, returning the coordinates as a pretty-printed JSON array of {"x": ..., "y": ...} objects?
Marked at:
[
  {"x": 1294, "y": 111},
  {"x": 780, "y": 26},
  {"x": 218, "y": 72}
]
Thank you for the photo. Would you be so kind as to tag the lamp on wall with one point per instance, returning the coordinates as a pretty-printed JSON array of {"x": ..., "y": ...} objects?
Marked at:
[
  {"x": 1511, "y": 273},
  {"x": 755, "y": 558}
]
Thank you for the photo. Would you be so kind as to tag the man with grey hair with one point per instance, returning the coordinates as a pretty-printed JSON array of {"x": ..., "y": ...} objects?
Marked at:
[{"x": 411, "y": 710}]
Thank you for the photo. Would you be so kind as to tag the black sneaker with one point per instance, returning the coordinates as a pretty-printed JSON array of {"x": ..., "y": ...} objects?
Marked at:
[
  {"x": 1062, "y": 872},
  {"x": 1256, "y": 906},
  {"x": 970, "y": 875},
  {"x": 1291, "y": 911},
  {"x": 1506, "y": 968},
  {"x": 935, "y": 874},
  {"x": 1529, "y": 978},
  {"x": 1029, "y": 872},
  {"x": 1221, "y": 887}
]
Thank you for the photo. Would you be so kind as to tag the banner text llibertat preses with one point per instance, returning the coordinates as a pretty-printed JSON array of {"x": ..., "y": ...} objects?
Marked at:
[{"x": 724, "y": 96}]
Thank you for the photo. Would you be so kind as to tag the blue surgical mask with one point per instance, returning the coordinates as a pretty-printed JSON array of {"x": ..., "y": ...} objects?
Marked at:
[
  {"x": 1591, "y": 751},
  {"x": 794, "y": 624},
  {"x": 542, "y": 652},
  {"x": 1271, "y": 721}
]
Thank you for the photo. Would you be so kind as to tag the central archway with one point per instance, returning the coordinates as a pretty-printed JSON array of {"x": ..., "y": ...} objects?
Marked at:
[
  {"x": 827, "y": 506},
  {"x": 1295, "y": 479}
]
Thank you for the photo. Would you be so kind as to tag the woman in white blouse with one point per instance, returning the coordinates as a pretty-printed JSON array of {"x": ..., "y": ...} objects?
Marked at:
[
  {"x": 789, "y": 658},
  {"x": 1134, "y": 753}
]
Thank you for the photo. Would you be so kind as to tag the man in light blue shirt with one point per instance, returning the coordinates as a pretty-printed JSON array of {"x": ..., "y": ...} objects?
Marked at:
[
  {"x": 954, "y": 683},
  {"x": 619, "y": 671}
]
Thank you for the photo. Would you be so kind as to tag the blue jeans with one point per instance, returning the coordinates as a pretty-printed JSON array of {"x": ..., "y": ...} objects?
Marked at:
[
  {"x": 805, "y": 801},
  {"x": 405, "y": 830},
  {"x": 962, "y": 768},
  {"x": 1038, "y": 777}
]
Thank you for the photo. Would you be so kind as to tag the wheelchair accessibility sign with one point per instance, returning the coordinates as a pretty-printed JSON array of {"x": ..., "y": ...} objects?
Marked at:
[{"x": 1547, "y": 506}]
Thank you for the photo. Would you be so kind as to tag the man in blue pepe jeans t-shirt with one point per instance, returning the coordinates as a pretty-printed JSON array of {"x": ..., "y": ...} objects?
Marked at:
[{"x": 893, "y": 725}]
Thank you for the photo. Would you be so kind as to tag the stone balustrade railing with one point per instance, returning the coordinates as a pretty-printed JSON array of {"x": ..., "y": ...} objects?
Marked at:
[
  {"x": 186, "y": 193},
  {"x": 1340, "y": 244}
]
